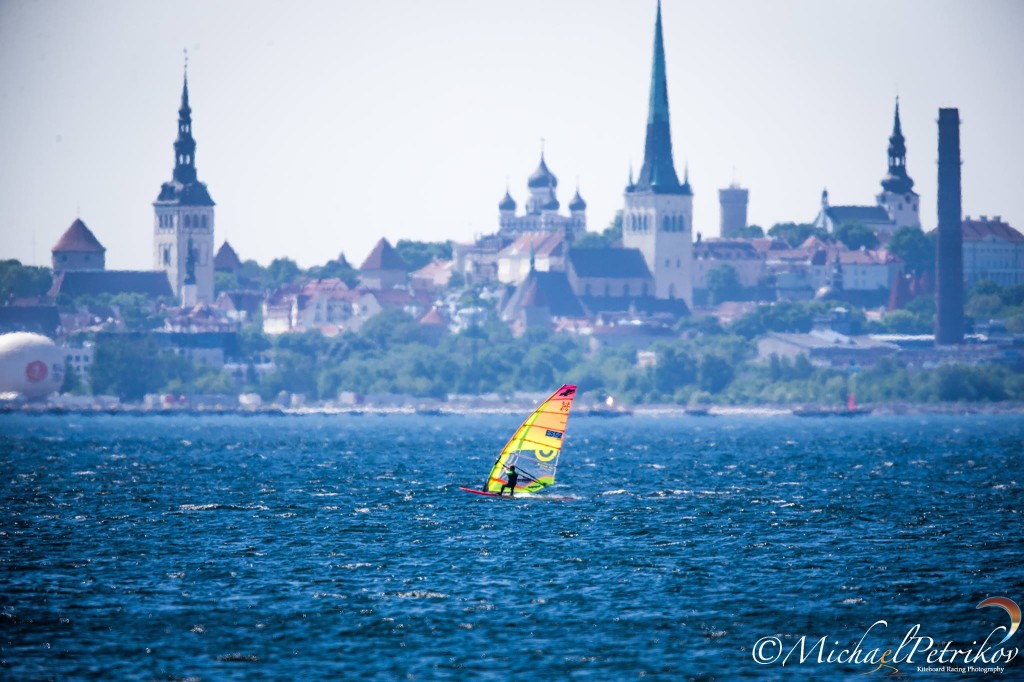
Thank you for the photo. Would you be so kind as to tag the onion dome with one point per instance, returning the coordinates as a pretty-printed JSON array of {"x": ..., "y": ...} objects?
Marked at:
[
  {"x": 577, "y": 203},
  {"x": 507, "y": 203},
  {"x": 542, "y": 177},
  {"x": 552, "y": 205}
]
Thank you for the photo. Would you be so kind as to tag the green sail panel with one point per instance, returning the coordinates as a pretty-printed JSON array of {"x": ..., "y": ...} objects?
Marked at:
[{"x": 535, "y": 446}]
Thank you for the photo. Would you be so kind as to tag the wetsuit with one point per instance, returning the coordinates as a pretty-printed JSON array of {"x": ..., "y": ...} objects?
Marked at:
[{"x": 513, "y": 478}]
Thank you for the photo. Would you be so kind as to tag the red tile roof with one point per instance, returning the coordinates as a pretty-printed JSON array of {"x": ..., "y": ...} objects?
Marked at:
[
  {"x": 977, "y": 230},
  {"x": 78, "y": 238},
  {"x": 384, "y": 257},
  {"x": 226, "y": 259}
]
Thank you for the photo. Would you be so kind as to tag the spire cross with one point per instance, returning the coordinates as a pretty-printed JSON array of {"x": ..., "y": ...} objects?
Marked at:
[
  {"x": 185, "y": 51},
  {"x": 542, "y": 147}
]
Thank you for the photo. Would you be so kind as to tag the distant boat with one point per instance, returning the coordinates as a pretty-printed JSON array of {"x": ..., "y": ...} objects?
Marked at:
[
  {"x": 606, "y": 409},
  {"x": 698, "y": 411},
  {"x": 851, "y": 410},
  {"x": 429, "y": 411},
  {"x": 820, "y": 411},
  {"x": 533, "y": 449},
  {"x": 606, "y": 412}
]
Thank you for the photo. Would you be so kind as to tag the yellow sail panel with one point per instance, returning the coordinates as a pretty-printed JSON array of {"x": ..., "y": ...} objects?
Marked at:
[{"x": 535, "y": 446}]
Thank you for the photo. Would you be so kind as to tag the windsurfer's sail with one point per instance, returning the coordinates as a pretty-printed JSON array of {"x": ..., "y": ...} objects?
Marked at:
[{"x": 535, "y": 446}]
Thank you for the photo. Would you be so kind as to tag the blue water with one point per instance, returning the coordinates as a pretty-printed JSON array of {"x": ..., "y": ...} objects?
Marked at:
[{"x": 340, "y": 546}]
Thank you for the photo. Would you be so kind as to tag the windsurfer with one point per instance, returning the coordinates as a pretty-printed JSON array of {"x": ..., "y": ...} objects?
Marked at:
[{"x": 513, "y": 478}]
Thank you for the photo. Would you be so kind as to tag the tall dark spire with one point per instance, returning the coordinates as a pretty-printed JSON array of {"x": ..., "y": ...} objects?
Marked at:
[
  {"x": 897, "y": 180},
  {"x": 185, "y": 145},
  {"x": 184, "y": 188},
  {"x": 658, "y": 174}
]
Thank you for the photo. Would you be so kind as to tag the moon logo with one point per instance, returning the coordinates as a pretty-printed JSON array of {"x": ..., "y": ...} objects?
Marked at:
[
  {"x": 545, "y": 456},
  {"x": 1010, "y": 607}
]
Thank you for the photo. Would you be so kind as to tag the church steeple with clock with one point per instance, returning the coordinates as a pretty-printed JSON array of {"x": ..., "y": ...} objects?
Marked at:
[{"x": 183, "y": 221}]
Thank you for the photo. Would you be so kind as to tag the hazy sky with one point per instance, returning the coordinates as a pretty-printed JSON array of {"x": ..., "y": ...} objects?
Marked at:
[{"x": 322, "y": 126}]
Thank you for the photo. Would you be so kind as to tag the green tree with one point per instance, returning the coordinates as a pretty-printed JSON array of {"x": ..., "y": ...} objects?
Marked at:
[
  {"x": 127, "y": 365},
  {"x": 391, "y": 327},
  {"x": 675, "y": 368},
  {"x": 23, "y": 280},
  {"x": 750, "y": 232},
  {"x": 611, "y": 235},
  {"x": 714, "y": 374},
  {"x": 335, "y": 270},
  {"x": 856, "y": 236},
  {"x": 796, "y": 234},
  {"x": 281, "y": 271},
  {"x": 72, "y": 382},
  {"x": 137, "y": 312},
  {"x": 915, "y": 248},
  {"x": 724, "y": 285},
  {"x": 417, "y": 254}
]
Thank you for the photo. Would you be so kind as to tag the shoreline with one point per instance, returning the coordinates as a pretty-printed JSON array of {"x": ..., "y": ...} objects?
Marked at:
[{"x": 438, "y": 410}]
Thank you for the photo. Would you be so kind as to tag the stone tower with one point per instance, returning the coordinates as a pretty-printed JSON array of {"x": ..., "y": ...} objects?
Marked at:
[
  {"x": 949, "y": 261},
  {"x": 898, "y": 198},
  {"x": 733, "y": 203},
  {"x": 183, "y": 220},
  {"x": 657, "y": 217}
]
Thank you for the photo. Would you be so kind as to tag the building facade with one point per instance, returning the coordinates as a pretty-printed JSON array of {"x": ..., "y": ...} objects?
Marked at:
[
  {"x": 897, "y": 206},
  {"x": 542, "y": 208},
  {"x": 992, "y": 250},
  {"x": 657, "y": 218},
  {"x": 183, "y": 221}
]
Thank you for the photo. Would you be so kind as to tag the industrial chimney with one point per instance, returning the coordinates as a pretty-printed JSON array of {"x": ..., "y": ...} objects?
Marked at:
[{"x": 949, "y": 260}]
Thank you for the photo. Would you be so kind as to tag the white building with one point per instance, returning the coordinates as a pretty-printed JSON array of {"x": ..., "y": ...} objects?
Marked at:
[
  {"x": 739, "y": 254},
  {"x": 992, "y": 250},
  {"x": 542, "y": 251}
]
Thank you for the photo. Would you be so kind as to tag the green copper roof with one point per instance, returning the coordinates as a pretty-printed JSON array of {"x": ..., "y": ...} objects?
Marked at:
[{"x": 658, "y": 174}]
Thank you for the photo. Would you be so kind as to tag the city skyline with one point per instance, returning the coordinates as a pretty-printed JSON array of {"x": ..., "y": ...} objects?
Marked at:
[{"x": 325, "y": 127}]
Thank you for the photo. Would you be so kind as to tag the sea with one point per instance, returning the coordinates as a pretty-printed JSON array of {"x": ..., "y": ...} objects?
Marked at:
[{"x": 181, "y": 547}]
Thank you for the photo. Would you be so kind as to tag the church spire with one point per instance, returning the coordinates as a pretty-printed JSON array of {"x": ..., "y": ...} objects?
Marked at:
[
  {"x": 897, "y": 180},
  {"x": 658, "y": 173},
  {"x": 185, "y": 145}
]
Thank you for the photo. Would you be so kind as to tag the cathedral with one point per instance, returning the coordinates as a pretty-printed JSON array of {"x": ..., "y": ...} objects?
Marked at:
[
  {"x": 183, "y": 220},
  {"x": 657, "y": 218},
  {"x": 895, "y": 207},
  {"x": 542, "y": 208}
]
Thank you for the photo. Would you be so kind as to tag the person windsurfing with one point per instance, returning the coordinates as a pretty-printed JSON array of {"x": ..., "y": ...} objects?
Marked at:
[{"x": 513, "y": 478}]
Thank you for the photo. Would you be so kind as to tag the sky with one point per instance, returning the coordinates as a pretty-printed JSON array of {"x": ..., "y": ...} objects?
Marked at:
[{"x": 323, "y": 126}]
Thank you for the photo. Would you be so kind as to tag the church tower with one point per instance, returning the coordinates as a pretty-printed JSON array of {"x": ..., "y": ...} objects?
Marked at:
[
  {"x": 183, "y": 220},
  {"x": 657, "y": 217},
  {"x": 898, "y": 198}
]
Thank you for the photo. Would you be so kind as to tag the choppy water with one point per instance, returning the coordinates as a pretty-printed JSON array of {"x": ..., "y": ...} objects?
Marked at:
[{"x": 314, "y": 547}]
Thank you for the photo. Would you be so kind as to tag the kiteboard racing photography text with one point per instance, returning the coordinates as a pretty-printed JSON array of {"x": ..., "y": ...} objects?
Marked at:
[{"x": 877, "y": 649}]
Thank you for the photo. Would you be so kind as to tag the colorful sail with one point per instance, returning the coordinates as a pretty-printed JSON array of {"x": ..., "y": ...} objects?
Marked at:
[{"x": 535, "y": 446}]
